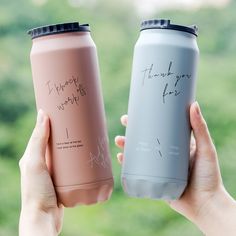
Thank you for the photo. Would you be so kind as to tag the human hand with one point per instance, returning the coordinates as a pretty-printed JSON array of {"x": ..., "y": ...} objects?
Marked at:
[
  {"x": 40, "y": 212},
  {"x": 205, "y": 197}
]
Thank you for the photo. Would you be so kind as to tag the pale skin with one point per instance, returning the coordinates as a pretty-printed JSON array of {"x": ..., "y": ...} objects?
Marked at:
[
  {"x": 205, "y": 201},
  {"x": 40, "y": 212}
]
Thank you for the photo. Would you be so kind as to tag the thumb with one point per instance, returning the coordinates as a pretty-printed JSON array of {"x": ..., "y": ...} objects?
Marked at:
[
  {"x": 204, "y": 144},
  {"x": 36, "y": 148}
]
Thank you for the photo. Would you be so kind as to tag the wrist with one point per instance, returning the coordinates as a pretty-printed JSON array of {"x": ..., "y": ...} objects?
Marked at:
[
  {"x": 217, "y": 216},
  {"x": 34, "y": 221}
]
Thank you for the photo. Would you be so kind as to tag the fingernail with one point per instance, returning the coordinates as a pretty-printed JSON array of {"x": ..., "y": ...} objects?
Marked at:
[
  {"x": 197, "y": 109},
  {"x": 120, "y": 157},
  {"x": 40, "y": 117},
  {"x": 117, "y": 137},
  {"x": 123, "y": 117}
]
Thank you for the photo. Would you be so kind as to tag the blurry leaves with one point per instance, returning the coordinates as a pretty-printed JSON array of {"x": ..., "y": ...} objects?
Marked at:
[
  {"x": 217, "y": 29},
  {"x": 115, "y": 29},
  {"x": 6, "y": 137},
  {"x": 14, "y": 100}
]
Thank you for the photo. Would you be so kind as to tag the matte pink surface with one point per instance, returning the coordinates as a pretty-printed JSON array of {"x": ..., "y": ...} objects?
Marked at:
[{"x": 67, "y": 87}]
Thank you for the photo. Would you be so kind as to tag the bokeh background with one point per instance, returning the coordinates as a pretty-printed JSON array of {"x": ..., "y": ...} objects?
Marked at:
[{"x": 115, "y": 28}]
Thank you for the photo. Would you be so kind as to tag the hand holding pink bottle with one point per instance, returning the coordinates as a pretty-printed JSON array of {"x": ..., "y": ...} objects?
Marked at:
[{"x": 41, "y": 214}]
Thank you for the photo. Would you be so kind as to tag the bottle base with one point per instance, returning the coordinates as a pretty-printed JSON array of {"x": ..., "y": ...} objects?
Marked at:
[
  {"x": 153, "y": 187},
  {"x": 85, "y": 194}
]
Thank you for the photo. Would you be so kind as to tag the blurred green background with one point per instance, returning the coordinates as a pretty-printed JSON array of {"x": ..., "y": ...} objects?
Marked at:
[{"x": 115, "y": 28}]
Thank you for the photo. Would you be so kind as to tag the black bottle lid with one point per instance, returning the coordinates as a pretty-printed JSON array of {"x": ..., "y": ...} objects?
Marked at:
[
  {"x": 58, "y": 29},
  {"x": 165, "y": 24}
]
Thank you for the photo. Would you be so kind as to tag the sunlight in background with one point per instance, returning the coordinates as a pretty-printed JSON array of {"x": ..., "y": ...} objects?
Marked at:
[
  {"x": 149, "y": 6},
  {"x": 146, "y": 7},
  {"x": 72, "y": 3},
  {"x": 39, "y": 2},
  {"x": 78, "y": 3}
]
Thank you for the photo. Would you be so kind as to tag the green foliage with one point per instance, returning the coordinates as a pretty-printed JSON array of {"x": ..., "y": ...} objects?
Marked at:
[
  {"x": 115, "y": 28},
  {"x": 13, "y": 101}
]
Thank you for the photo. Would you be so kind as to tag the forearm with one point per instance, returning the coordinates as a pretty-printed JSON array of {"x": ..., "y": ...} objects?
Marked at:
[
  {"x": 37, "y": 223},
  {"x": 218, "y": 216}
]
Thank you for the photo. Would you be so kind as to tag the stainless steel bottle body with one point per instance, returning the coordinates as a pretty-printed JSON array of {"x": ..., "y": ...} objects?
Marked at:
[
  {"x": 67, "y": 87},
  {"x": 158, "y": 132}
]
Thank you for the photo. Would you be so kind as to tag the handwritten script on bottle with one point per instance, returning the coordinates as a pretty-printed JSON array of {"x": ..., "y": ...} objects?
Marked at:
[
  {"x": 172, "y": 79},
  {"x": 73, "y": 84}
]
